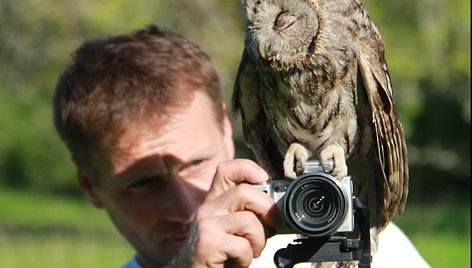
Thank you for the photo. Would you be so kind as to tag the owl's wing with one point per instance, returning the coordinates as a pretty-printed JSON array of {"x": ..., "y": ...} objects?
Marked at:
[
  {"x": 392, "y": 151},
  {"x": 245, "y": 99}
]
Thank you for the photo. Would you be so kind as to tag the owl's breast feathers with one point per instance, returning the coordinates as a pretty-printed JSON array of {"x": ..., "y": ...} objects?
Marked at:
[{"x": 305, "y": 108}]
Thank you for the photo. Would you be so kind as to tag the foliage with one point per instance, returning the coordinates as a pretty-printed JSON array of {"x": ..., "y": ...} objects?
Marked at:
[{"x": 427, "y": 44}]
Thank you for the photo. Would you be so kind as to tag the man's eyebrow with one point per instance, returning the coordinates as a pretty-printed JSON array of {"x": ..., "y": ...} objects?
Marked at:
[{"x": 148, "y": 164}]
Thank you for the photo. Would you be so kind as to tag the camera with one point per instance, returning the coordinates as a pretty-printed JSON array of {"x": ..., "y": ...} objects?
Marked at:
[{"x": 315, "y": 204}]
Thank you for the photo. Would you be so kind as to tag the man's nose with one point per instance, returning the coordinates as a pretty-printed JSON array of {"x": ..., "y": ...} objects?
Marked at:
[{"x": 183, "y": 202}]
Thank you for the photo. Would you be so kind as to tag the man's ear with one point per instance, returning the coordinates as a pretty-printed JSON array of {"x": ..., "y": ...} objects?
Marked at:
[
  {"x": 228, "y": 133},
  {"x": 86, "y": 184}
]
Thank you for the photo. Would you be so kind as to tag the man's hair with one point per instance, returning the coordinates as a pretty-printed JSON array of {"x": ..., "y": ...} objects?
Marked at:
[{"x": 117, "y": 81}]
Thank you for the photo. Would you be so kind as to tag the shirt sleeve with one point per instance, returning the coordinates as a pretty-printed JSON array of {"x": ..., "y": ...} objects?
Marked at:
[{"x": 394, "y": 250}]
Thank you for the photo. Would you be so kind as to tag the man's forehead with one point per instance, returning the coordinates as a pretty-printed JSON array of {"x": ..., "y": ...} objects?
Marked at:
[{"x": 156, "y": 141}]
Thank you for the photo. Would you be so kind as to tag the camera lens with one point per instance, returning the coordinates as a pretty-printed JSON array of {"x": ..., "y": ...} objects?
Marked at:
[{"x": 315, "y": 204}]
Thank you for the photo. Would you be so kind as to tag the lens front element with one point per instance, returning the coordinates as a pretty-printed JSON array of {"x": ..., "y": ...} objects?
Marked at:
[{"x": 315, "y": 204}]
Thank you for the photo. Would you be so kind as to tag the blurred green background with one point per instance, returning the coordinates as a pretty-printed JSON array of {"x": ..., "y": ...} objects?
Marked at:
[{"x": 44, "y": 219}]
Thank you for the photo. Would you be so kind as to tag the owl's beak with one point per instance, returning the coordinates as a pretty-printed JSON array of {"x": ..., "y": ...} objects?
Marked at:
[{"x": 262, "y": 51}]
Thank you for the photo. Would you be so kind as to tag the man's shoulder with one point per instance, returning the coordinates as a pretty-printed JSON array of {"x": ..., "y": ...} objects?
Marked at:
[{"x": 396, "y": 250}]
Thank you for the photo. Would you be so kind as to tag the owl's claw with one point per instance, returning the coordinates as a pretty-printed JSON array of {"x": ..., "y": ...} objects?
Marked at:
[
  {"x": 336, "y": 154},
  {"x": 295, "y": 159},
  {"x": 328, "y": 166}
]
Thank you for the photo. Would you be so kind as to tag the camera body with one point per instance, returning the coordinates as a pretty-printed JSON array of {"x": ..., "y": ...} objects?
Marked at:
[{"x": 315, "y": 204}]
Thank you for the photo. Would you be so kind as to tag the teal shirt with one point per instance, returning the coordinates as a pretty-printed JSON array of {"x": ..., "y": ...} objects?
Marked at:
[{"x": 132, "y": 263}]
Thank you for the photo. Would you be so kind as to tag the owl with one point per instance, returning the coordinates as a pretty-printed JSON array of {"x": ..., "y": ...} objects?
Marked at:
[{"x": 313, "y": 83}]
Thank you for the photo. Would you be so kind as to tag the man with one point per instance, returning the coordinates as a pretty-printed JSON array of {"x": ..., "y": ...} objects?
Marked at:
[{"x": 145, "y": 122}]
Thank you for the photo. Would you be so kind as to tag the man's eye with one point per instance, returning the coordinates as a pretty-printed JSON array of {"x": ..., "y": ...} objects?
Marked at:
[
  {"x": 144, "y": 182},
  {"x": 191, "y": 167},
  {"x": 192, "y": 164},
  {"x": 196, "y": 162}
]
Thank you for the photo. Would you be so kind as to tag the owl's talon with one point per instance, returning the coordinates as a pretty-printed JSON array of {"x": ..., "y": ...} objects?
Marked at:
[
  {"x": 295, "y": 159},
  {"x": 328, "y": 166},
  {"x": 332, "y": 157},
  {"x": 299, "y": 167},
  {"x": 290, "y": 174}
]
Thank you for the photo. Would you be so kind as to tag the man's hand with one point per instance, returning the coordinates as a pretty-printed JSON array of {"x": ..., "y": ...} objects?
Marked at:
[{"x": 228, "y": 227}]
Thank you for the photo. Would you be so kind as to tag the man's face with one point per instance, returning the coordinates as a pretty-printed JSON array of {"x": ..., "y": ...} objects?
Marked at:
[{"x": 156, "y": 178}]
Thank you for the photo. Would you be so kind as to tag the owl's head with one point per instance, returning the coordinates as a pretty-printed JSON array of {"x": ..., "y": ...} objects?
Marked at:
[{"x": 280, "y": 33}]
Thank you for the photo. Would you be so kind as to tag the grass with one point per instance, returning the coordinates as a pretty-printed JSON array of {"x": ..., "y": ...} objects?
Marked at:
[
  {"x": 440, "y": 231},
  {"x": 48, "y": 231},
  {"x": 44, "y": 231}
]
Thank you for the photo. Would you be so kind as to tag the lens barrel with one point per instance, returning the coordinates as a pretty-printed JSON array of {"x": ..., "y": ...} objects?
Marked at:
[{"x": 315, "y": 204}]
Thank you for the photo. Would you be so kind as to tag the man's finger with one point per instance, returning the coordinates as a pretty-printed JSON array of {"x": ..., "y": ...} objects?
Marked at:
[
  {"x": 238, "y": 236},
  {"x": 243, "y": 197},
  {"x": 231, "y": 173}
]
